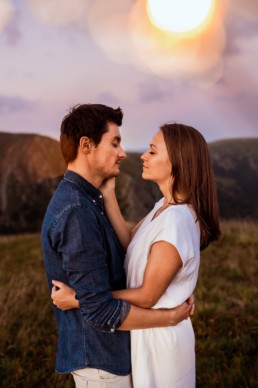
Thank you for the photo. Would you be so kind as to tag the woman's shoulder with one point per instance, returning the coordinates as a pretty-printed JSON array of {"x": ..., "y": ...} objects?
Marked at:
[{"x": 181, "y": 212}]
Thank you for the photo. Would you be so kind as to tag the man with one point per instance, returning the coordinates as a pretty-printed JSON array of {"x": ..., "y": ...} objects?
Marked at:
[{"x": 81, "y": 249}]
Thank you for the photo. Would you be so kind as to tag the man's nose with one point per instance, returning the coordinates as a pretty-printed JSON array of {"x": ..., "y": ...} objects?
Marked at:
[{"x": 122, "y": 154}]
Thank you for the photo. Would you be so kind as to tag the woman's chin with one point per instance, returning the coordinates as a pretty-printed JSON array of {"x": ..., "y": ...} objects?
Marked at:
[{"x": 145, "y": 176}]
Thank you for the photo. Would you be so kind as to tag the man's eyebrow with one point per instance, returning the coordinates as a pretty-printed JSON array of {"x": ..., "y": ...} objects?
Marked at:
[{"x": 117, "y": 138}]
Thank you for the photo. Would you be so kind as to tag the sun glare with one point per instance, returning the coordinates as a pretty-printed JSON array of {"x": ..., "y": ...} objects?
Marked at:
[{"x": 178, "y": 16}]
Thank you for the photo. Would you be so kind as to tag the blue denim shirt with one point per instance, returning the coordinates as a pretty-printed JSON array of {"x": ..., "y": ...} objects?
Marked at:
[{"x": 81, "y": 249}]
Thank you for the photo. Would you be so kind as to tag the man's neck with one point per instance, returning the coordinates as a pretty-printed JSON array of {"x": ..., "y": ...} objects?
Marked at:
[{"x": 93, "y": 179}]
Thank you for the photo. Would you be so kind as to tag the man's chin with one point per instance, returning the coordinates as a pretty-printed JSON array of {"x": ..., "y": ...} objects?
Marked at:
[{"x": 114, "y": 174}]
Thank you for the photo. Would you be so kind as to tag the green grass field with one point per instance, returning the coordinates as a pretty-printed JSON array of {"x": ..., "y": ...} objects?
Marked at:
[{"x": 225, "y": 322}]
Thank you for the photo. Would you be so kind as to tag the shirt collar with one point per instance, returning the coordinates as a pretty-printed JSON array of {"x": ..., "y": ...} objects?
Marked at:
[{"x": 91, "y": 191}]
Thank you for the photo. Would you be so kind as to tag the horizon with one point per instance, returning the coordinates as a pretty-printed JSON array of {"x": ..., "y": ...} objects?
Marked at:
[
  {"x": 91, "y": 51},
  {"x": 135, "y": 150}
]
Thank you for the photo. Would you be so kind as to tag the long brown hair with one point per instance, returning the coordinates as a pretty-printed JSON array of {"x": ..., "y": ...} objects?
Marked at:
[{"x": 193, "y": 177}]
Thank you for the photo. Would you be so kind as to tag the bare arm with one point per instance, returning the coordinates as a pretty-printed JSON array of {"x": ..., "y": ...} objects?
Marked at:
[
  {"x": 163, "y": 264},
  {"x": 138, "y": 318},
  {"x": 113, "y": 212}
]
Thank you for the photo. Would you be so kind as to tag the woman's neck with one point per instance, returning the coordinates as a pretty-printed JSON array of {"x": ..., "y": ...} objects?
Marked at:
[{"x": 168, "y": 197}]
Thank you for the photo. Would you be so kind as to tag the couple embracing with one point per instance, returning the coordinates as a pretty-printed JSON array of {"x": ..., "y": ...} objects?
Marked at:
[{"x": 124, "y": 318}]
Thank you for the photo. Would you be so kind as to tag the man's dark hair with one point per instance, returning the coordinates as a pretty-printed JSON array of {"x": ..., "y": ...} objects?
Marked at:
[{"x": 89, "y": 120}]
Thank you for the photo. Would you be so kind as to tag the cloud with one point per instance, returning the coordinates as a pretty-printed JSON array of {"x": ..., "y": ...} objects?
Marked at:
[
  {"x": 58, "y": 12},
  {"x": 239, "y": 30},
  {"x": 125, "y": 33},
  {"x": 246, "y": 9},
  {"x": 231, "y": 98},
  {"x": 107, "y": 98},
  {"x": 12, "y": 32},
  {"x": 14, "y": 104},
  {"x": 152, "y": 90},
  {"x": 6, "y": 12}
]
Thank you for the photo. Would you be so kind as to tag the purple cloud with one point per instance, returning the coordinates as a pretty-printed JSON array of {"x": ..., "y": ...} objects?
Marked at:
[
  {"x": 14, "y": 104},
  {"x": 153, "y": 91}
]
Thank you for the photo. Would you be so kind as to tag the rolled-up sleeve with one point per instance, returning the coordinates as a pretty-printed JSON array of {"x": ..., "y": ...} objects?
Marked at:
[{"x": 85, "y": 262}]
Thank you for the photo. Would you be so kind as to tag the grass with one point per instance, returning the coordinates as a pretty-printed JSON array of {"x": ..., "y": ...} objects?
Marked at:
[
  {"x": 225, "y": 322},
  {"x": 27, "y": 328}
]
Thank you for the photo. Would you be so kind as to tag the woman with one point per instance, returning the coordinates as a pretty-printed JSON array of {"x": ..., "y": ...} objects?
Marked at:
[{"x": 162, "y": 259}]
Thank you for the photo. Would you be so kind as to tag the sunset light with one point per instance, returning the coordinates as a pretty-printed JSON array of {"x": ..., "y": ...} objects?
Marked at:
[{"x": 178, "y": 16}]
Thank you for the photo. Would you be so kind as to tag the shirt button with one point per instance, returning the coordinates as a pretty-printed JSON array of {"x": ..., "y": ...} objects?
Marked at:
[
  {"x": 94, "y": 201},
  {"x": 100, "y": 196},
  {"x": 102, "y": 213}
]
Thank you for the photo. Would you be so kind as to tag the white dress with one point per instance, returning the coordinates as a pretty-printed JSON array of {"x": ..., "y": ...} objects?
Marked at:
[{"x": 165, "y": 357}]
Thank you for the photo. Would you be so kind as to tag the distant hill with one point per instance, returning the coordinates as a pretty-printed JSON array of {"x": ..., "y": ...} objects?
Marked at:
[
  {"x": 31, "y": 166},
  {"x": 235, "y": 164}
]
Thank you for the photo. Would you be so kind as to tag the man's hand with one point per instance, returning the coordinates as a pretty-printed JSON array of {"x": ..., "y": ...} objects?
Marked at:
[
  {"x": 190, "y": 301},
  {"x": 63, "y": 296},
  {"x": 183, "y": 311}
]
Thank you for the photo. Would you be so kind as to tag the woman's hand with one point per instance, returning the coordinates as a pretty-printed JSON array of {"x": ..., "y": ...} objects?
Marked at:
[
  {"x": 63, "y": 296},
  {"x": 107, "y": 187},
  {"x": 113, "y": 212}
]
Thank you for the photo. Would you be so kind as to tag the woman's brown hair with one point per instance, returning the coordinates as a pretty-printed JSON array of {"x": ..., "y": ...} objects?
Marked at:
[{"x": 193, "y": 177}]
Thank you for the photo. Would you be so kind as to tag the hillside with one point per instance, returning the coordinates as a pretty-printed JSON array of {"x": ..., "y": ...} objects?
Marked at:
[
  {"x": 31, "y": 166},
  {"x": 136, "y": 196},
  {"x": 235, "y": 163},
  {"x": 236, "y": 169}
]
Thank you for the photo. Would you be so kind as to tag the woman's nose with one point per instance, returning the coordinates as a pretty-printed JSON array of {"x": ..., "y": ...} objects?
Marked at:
[{"x": 143, "y": 156}]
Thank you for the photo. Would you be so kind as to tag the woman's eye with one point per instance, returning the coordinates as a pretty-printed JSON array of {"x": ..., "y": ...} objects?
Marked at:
[
  {"x": 115, "y": 145},
  {"x": 151, "y": 152}
]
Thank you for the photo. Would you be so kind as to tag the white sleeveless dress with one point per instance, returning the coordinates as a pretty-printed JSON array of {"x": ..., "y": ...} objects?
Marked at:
[{"x": 165, "y": 357}]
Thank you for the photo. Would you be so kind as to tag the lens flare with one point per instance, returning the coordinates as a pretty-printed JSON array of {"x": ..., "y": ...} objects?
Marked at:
[{"x": 179, "y": 16}]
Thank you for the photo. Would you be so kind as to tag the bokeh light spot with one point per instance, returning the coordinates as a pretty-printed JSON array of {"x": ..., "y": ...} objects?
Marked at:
[{"x": 178, "y": 16}]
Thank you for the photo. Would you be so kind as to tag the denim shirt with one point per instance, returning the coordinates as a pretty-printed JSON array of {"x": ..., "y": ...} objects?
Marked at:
[{"x": 81, "y": 249}]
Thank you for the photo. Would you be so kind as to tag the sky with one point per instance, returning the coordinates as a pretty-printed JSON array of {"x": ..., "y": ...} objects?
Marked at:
[{"x": 55, "y": 54}]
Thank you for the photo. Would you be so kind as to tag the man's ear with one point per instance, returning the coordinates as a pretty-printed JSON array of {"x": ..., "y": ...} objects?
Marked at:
[{"x": 85, "y": 144}]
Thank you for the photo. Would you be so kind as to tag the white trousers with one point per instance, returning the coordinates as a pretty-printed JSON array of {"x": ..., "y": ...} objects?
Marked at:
[{"x": 97, "y": 378}]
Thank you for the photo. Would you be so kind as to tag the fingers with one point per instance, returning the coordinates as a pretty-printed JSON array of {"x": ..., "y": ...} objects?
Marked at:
[
  {"x": 190, "y": 300},
  {"x": 191, "y": 303},
  {"x": 57, "y": 283},
  {"x": 188, "y": 310},
  {"x": 57, "y": 304},
  {"x": 192, "y": 310},
  {"x": 53, "y": 291}
]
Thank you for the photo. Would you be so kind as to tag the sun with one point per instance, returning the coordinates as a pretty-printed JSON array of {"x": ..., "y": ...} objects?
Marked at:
[{"x": 179, "y": 16}]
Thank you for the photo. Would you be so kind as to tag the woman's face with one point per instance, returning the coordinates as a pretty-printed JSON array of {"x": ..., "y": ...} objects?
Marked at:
[{"x": 156, "y": 163}]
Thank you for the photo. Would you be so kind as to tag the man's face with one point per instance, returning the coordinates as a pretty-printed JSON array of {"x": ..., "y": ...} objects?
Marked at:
[{"x": 107, "y": 155}]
